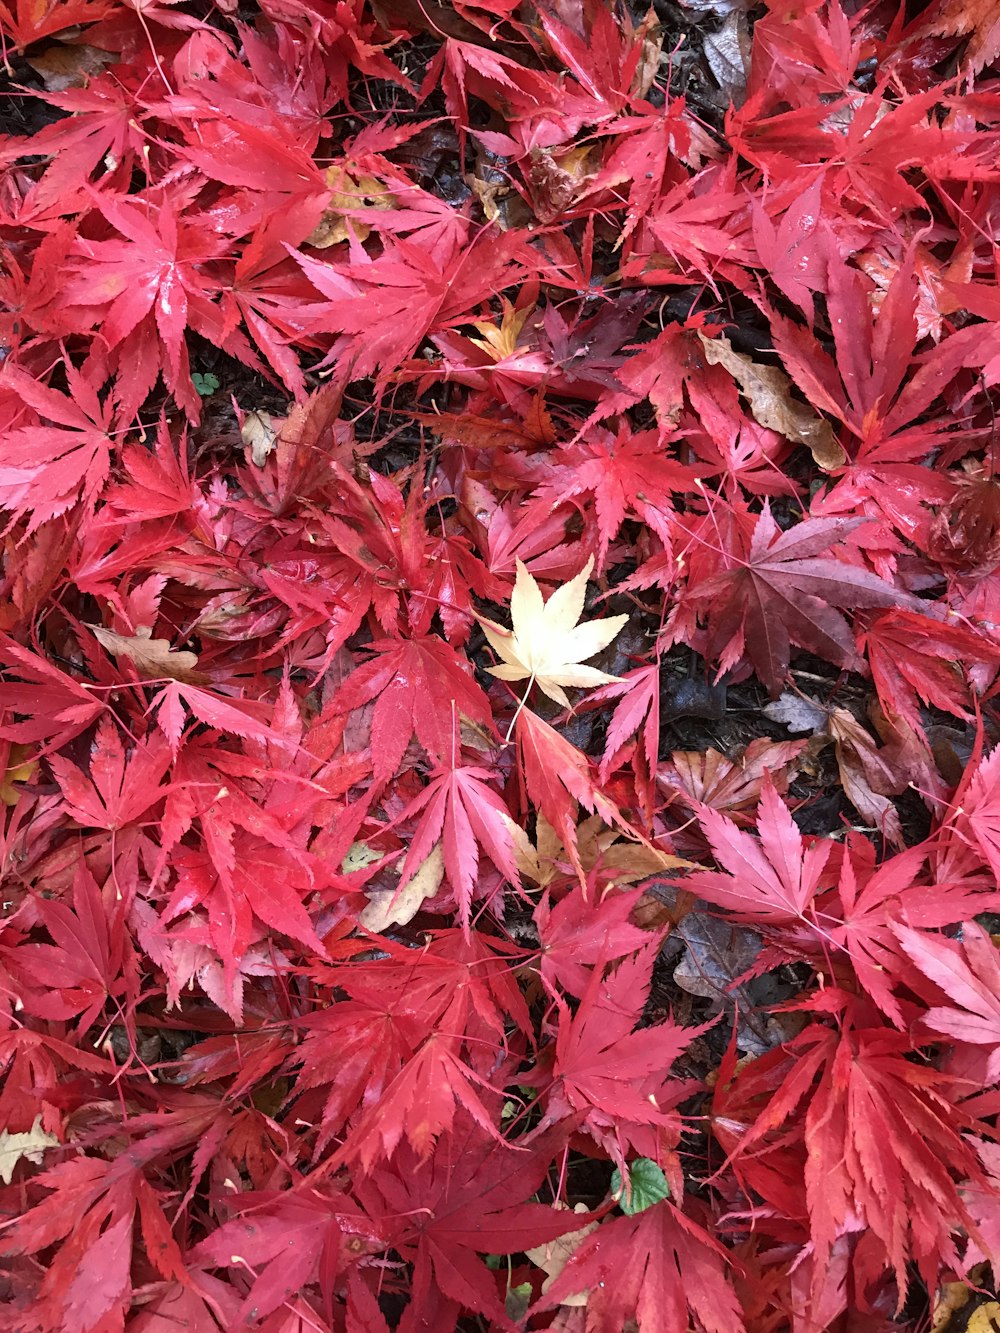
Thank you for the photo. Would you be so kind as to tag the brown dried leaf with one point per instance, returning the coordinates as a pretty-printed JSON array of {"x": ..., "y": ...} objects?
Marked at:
[
  {"x": 553, "y": 1257},
  {"x": 393, "y": 906},
  {"x": 616, "y": 859},
  {"x": 20, "y": 767},
  {"x": 728, "y": 54},
  {"x": 717, "y": 953},
  {"x": 985, "y": 1318},
  {"x": 30, "y": 1145},
  {"x": 650, "y": 33},
  {"x": 731, "y": 785},
  {"x": 557, "y": 182},
  {"x": 62, "y": 66},
  {"x": 260, "y": 435},
  {"x": 951, "y": 1297},
  {"x": 154, "y": 659},
  {"x": 867, "y": 778},
  {"x": 768, "y": 392},
  {"x": 799, "y": 712}
]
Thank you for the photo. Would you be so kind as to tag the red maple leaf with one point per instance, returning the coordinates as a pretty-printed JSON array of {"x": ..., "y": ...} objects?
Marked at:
[
  {"x": 46, "y": 469},
  {"x": 102, "y": 126},
  {"x": 384, "y": 308},
  {"x": 639, "y": 708},
  {"x": 880, "y": 1139},
  {"x": 54, "y": 705},
  {"x": 913, "y": 657},
  {"x": 628, "y": 476},
  {"x": 472, "y": 1196},
  {"x": 785, "y": 592},
  {"x": 418, "y": 685},
  {"x": 419, "y": 1105},
  {"x": 29, "y": 21},
  {"x": 330, "y": 1235},
  {"x": 969, "y": 974},
  {"x": 464, "y": 813},
  {"x": 119, "y": 788},
  {"x": 91, "y": 1215},
  {"x": 979, "y": 813},
  {"x": 145, "y": 288},
  {"x": 354, "y": 1049},
  {"x": 772, "y": 879},
  {"x": 658, "y": 1267},
  {"x": 872, "y": 901},
  {"x": 601, "y": 1061},
  {"x": 558, "y": 778},
  {"x": 578, "y": 933},
  {"x": 876, "y": 386},
  {"x": 357, "y": 1048},
  {"x": 75, "y": 974},
  {"x": 267, "y": 292}
]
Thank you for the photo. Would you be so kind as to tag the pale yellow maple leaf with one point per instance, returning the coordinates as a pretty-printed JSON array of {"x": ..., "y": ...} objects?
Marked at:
[
  {"x": 547, "y": 644},
  {"x": 30, "y": 1145}
]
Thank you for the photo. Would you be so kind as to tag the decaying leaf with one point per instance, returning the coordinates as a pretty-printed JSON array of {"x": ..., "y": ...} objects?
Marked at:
[
  {"x": 30, "y": 1146},
  {"x": 548, "y": 644},
  {"x": 869, "y": 780},
  {"x": 352, "y": 195},
  {"x": 615, "y": 859},
  {"x": 260, "y": 435},
  {"x": 768, "y": 391},
  {"x": 985, "y": 1318},
  {"x": 732, "y": 785},
  {"x": 20, "y": 767},
  {"x": 717, "y": 953},
  {"x": 153, "y": 658},
  {"x": 557, "y": 181},
  {"x": 951, "y": 1298},
  {"x": 63, "y": 66},
  {"x": 394, "y": 906},
  {"x": 867, "y": 774},
  {"x": 500, "y": 340},
  {"x": 554, "y": 1256},
  {"x": 728, "y": 54},
  {"x": 798, "y": 712}
]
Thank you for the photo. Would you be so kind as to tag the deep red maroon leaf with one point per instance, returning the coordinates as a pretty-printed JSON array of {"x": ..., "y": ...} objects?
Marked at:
[
  {"x": 471, "y": 1197},
  {"x": 784, "y": 592}
]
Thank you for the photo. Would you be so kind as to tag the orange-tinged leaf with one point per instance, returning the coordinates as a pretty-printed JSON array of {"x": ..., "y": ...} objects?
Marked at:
[{"x": 977, "y": 20}]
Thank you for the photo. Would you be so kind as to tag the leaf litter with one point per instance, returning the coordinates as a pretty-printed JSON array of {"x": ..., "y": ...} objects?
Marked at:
[{"x": 499, "y": 666}]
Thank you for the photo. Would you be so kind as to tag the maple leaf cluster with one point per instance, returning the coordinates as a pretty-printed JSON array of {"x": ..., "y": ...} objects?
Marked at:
[{"x": 410, "y": 419}]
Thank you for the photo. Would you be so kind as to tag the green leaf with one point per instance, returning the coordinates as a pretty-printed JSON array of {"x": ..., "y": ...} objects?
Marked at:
[
  {"x": 647, "y": 1185},
  {"x": 205, "y": 384}
]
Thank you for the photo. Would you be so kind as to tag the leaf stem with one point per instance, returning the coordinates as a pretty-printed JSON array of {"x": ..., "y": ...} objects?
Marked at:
[{"x": 517, "y": 710}]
